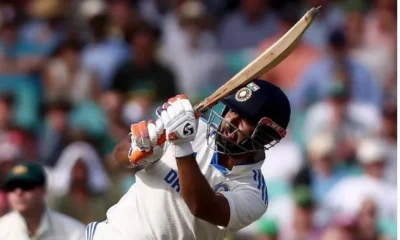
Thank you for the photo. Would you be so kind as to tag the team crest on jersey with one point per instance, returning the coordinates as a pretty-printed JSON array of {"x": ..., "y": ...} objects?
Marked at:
[
  {"x": 221, "y": 187},
  {"x": 243, "y": 94}
]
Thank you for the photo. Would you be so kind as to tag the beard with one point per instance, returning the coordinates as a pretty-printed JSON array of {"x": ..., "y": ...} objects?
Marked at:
[
  {"x": 227, "y": 147},
  {"x": 227, "y": 142}
]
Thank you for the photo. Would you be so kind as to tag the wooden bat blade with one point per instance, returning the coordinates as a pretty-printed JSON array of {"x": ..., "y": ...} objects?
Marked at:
[{"x": 263, "y": 63}]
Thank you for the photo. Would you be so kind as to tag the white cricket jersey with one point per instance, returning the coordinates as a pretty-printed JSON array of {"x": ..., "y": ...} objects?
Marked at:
[{"x": 153, "y": 208}]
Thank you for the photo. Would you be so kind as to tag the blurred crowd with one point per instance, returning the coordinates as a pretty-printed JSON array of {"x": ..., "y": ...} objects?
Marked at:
[{"x": 75, "y": 74}]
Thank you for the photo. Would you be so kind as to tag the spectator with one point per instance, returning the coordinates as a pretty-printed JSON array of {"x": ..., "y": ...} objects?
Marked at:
[
  {"x": 173, "y": 29},
  {"x": 65, "y": 78},
  {"x": 279, "y": 173},
  {"x": 336, "y": 67},
  {"x": 298, "y": 61},
  {"x": 347, "y": 120},
  {"x": 322, "y": 172},
  {"x": 332, "y": 234},
  {"x": 154, "y": 11},
  {"x": 9, "y": 154},
  {"x": 302, "y": 226},
  {"x": 335, "y": 232},
  {"x": 31, "y": 218},
  {"x": 16, "y": 142},
  {"x": 17, "y": 55},
  {"x": 103, "y": 54},
  {"x": 367, "y": 222},
  {"x": 346, "y": 223},
  {"x": 55, "y": 133},
  {"x": 354, "y": 28},
  {"x": 381, "y": 24},
  {"x": 97, "y": 181},
  {"x": 218, "y": 8},
  {"x": 11, "y": 150},
  {"x": 347, "y": 196},
  {"x": 79, "y": 183},
  {"x": 144, "y": 80},
  {"x": 90, "y": 119},
  {"x": 24, "y": 142},
  {"x": 196, "y": 60},
  {"x": 123, "y": 18},
  {"x": 19, "y": 61},
  {"x": 248, "y": 26},
  {"x": 46, "y": 25},
  {"x": 268, "y": 230},
  {"x": 330, "y": 17},
  {"x": 380, "y": 59}
]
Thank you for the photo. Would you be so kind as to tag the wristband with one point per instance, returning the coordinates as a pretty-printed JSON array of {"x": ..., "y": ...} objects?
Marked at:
[{"x": 182, "y": 150}]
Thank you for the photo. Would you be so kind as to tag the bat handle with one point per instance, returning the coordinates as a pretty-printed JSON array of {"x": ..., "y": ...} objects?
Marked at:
[
  {"x": 137, "y": 155},
  {"x": 198, "y": 114}
]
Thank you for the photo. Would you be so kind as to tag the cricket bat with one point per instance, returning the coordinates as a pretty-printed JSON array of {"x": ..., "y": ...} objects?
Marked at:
[{"x": 261, "y": 65}]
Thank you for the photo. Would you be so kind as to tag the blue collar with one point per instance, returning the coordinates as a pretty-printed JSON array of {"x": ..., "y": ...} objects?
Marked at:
[
  {"x": 222, "y": 169},
  {"x": 214, "y": 162}
]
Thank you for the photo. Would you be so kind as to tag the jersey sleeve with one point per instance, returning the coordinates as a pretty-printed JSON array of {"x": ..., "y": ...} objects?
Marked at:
[{"x": 247, "y": 203}]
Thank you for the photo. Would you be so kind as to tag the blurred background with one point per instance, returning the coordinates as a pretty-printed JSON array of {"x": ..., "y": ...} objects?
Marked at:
[{"x": 75, "y": 74}]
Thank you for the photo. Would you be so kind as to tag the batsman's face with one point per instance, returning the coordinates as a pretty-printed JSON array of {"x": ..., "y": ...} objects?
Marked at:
[{"x": 235, "y": 128}]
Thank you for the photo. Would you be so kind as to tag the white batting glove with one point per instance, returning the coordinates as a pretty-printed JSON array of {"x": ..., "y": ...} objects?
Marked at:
[
  {"x": 177, "y": 115},
  {"x": 144, "y": 137}
]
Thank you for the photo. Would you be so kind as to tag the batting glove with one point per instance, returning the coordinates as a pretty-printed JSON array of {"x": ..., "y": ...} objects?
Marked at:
[
  {"x": 144, "y": 137},
  {"x": 177, "y": 115}
]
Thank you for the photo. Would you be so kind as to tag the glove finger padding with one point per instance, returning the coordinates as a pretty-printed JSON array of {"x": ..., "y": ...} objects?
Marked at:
[
  {"x": 159, "y": 127},
  {"x": 144, "y": 138},
  {"x": 140, "y": 136},
  {"x": 187, "y": 105},
  {"x": 172, "y": 111},
  {"x": 136, "y": 136},
  {"x": 154, "y": 155},
  {"x": 165, "y": 117},
  {"x": 176, "y": 108},
  {"x": 179, "y": 120},
  {"x": 145, "y": 135},
  {"x": 152, "y": 134}
]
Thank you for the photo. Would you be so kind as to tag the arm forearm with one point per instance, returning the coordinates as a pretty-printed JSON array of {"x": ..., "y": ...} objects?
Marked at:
[
  {"x": 194, "y": 186},
  {"x": 198, "y": 195}
]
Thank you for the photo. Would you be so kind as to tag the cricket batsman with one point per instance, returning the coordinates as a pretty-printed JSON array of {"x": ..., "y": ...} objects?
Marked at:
[{"x": 205, "y": 181}]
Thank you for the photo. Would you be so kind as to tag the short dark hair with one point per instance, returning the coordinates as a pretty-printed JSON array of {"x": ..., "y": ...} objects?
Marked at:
[{"x": 144, "y": 27}]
